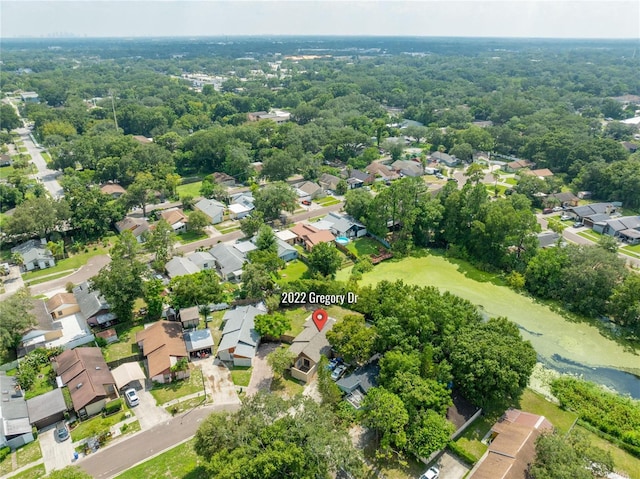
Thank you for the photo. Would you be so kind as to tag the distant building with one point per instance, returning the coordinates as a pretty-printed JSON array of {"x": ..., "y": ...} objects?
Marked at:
[
  {"x": 113, "y": 189},
  {"x": 277, "y": 116},
  {"x": 30, "y": 97},
  {"x": 137, "y": 226}
]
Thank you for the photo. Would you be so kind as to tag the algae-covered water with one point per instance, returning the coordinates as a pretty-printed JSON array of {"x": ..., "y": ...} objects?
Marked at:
[{"x": 562, "y": 345}]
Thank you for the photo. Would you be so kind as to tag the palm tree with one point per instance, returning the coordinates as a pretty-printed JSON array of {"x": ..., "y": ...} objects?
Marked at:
[{"x": 17, "y": 259}]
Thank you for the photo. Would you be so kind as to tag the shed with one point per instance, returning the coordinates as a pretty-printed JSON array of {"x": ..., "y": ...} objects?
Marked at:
[
  {"x": 109, "y": 335},
  {"x": 189, "y": 317},
  {"x": 46, "y": 409},
  {"x": 198, "y": 341}
]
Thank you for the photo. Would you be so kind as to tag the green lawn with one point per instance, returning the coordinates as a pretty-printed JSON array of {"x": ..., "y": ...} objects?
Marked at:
[
  {"x": 74, "y": 262},
  {"x": 190, "y": 189},
  {"x": 624, "y": 462},
  {"x": 287, "y": 386},
  {"x": 163, "y": 393},
  {"x": 187, "y": 405},
  {"x": 181, "y": 462},
  {"x": 6, "y": 171},
  {"x": 241, "y": 375},
  {"x": 511, "y": 181},
  {"x": 298, "y": 316},
  {"x": 293, "y": 271},
  {"x": 44, "y": 279},
  {"x": 632, "y": 250},
  {"x": 535, "y": 403},
  {"x": 327, "y": 201},
  {"x": 224, "y": 231},
  {"x": 46, "y": 156},
  {"x": 470, "y": 441},
  {"x": 191, "y": 236},
  {"x": 365, "y": 246},
  {"x": 96, "y": 425},
  {"x": 42, "y": 384},
  {"x": 126, "y": 344},
  {"x": 31, "y": 473},
  {"x": 338, "y": 312},
  {"x": 590, "y": 235},
  {"x": 29, "y": 453},
  {"x": 130, "y": 427}
]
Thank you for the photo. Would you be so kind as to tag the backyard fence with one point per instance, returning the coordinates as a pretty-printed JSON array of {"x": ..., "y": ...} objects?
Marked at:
[{"x": 129, "y": 359}]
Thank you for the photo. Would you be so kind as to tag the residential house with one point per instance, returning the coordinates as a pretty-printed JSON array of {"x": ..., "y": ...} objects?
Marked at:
[
  {"x": 143, "y": 140},
  {"x": 224, "y": 179},
  {"x": 212, "y": 208},
  {"x": 345, "y": 225},
  {"x": 176, "y": 219},
  {"x": 512, "y": 446},
  {"x": 162, "y": 345},
  {"x": 277, "y": 116},
  {"x": 630, "y": 147},
  {"x": 128, "y": 375},
  {"x": 408, "y": 168},
  {"x": 240, "y": 340},
  {"x": 45, "y": 329},
  {"x": 308, "y": 190},
  {"x": 286, "y": 252},
  {"x": 62, "y": 304},
  {"x": 93, "y": 306},
  {"x": 46, "y": 409},
  {"x": 541, "y": 173},
  {"x": 228, "y": 261},
  {"x": 35, "y": 255},
  {"x": 548, "y": 239},
  {"x": 86, "y": 374},
  {"x": 589, "y": 212},
  {"x": 287, "y": 236},
  {"x": 616, "y": 226},
  {"x": 357, "y": 177},
  {"x": 309, "y": 236},
  {"x": 238, "y": 211},
  {"x": 15, "y": 429},
  {"x": 517, "y": 165},
  {"x": 113, "y": 189},
  {"x": 482, "y": 123},
  {"x": 199, "y": 342},
  {"x": 202, "y": 259},
  {"x": 309, "y": 346},
  {"x": 29, "y": 97},
  {"x": 329, "y": 182},
  {"x": 382, "y": 172},
  {"x": 445, "y": 159},
  {"x": 180, "y": 266},
  {"x": 357, "y": 384},
  {"x": 189, "y": 317},
  {"x": 137, "y": 226},
  {"x": 563, "y": 199}
]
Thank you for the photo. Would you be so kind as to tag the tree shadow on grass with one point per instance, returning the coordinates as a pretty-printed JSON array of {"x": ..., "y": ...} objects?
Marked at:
[{"x": 199, "y": 472}]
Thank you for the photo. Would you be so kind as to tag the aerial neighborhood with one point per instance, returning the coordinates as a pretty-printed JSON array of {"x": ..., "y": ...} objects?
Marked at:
[{"x": 319, "y": 259}]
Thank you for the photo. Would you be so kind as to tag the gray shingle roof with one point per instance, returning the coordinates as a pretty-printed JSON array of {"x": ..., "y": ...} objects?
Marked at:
[
  {"x": 311, "y": 342},
  {"x": 228, "y": 258},
  {"x": 202, "y": 258},
  {"x": 239, "y": 331},
  {"x": 211, "y": 208},
  {"x": 593, "y": 209},
  {"x": 364, "y": 378},
  {"x": 45, "y": 405},
  {"x": 33, "y": 250},
  {"x": 91, "y": 302},
  {"x": 178, "y": 266}
]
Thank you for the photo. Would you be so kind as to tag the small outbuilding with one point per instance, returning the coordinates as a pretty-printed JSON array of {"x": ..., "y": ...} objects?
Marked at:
[
  {"x": 199, "y": 343},
  {"x": 46, "y": 409},
  {"x": 128, "y": 375}
]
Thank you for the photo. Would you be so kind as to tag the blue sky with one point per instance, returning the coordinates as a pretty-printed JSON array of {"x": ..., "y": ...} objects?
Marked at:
[{"x": 471, "y": 18}]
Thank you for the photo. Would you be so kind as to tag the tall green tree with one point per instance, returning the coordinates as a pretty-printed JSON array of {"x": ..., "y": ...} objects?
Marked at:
[
  {"x": 275, "y": 198},
  {"x": 160, "y": 241},
  {"x": 385, "y": 413},
  {"x": 324, "y": 259},
  {"x": 352, "y": 338},
  {"x": 196, "y": 289},
  {"x": 273, "y": 324},
  {"x": 16, "y": 315},
  {"x": 279, "y": 360}
]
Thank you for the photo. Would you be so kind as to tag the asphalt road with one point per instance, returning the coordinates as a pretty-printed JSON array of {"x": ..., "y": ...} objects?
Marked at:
[
  {"x": 47, "y": 176},
  {"x": 111, "y": 461},
  {"x": 87, "y": 271}
]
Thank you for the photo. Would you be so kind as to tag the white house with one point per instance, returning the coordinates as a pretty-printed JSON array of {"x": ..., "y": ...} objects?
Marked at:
[
  {"x": 35, "y": 255},
  {"x": 212, "y": 208}
]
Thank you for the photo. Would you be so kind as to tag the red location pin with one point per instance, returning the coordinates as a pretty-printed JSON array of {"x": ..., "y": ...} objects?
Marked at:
[{"x": 319, "y": 317}]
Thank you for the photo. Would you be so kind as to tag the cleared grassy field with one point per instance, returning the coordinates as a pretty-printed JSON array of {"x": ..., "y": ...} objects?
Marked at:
[
  {"x": 364, "y": 246},
  {"x": 126, "y": 344},
  {"x": 293, "y": 271},
  {"x": 191, "y": 189}
]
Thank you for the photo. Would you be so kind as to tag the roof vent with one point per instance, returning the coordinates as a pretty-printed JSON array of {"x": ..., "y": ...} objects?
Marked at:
[
  {"x": 98, "y": 367},
  {"x": 78, "y": 386},
  {"x": 5, "y": 392}
]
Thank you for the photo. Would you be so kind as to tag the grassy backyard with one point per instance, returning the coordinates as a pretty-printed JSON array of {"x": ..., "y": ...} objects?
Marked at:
[
  {"x": 241, "y": 375},
  {"x": 293, "y": 271},
  {"x": 287, "y": 386},
  {"x": 471, "y": 439},
  {"x": 298, "y": 316},
  {"x": 181, "y": 462},
  {"x": 535, "y": 403},
  {"x": 190, "y": 189},
  {"x": 126, "y": 345},
  {"x": 42, "y": 384},
  {"x": 364, "y": 246},
  {"x": 163, "y": 393}
]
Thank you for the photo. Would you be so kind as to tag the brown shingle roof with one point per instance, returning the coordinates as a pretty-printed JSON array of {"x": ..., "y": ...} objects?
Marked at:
[
  {"x": 111, "y": 188},
  {"x": 85, "y": 372},
  {"x": 160, "y": 342},
  {"x": 60, "y": 299},
  {"x": 173, "y": 216}
]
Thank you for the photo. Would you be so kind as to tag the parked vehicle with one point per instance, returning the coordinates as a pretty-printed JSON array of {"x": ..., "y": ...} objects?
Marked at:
[
  {"x": 558, "y": 208},
  {"x": 62, "y": 431},
  {"x": 432, "y": 473},
  {"x": 578, "y": 224},
  {"x": 547, "y": 211},
  {"x": 333, "y": 363},
  {"x": 132, "y": 397},
  {"x": 338, "y": 372},
  {"x": 306, "y": 202},
  {"x": 565, "y": 217}
]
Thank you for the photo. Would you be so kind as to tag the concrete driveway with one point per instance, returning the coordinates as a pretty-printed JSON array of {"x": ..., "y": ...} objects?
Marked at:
[
  {"x": 221, "y": 387},
  {"x": 261, "y": 376},
  {"x": 451, "y": 467},
  {"x": 147, "y": 413},
  {"x": 55, "y": 454}
]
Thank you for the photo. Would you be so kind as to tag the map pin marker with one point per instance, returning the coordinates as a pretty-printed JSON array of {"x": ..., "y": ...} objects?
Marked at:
[{"x": 319, "y": 317}]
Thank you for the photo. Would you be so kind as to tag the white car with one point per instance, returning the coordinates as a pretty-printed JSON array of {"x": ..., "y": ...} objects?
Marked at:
[
  {"x": 558, "y": 208},
  {"x": 565, "y": 217},
  {"x": 338, "y": 371},
  {"x": 132, "y": 398},
  {"x": 432, "y": 473}
]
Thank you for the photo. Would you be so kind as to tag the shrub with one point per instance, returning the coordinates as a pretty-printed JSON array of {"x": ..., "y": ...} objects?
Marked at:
[
  {"x": 113, "y": 406},
  {"x": 4, "y": 452},
  {"x": 69, "y": 287},
  {"x": 463, "y": 454},
  {"x": 101, "y": 342}
]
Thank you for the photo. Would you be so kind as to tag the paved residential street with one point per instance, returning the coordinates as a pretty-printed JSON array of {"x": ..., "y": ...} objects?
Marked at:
[
  {"x": 112, "y": 460},
  {"x": 47, "y": 176},
  {"x": 84, "y": 273}
]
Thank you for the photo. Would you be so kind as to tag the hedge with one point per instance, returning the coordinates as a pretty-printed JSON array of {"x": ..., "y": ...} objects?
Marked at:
[
  {"x": 4, "y": 452},
  {"x": 463, "y": 454},
  {"x": 113, "y": 406}
]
